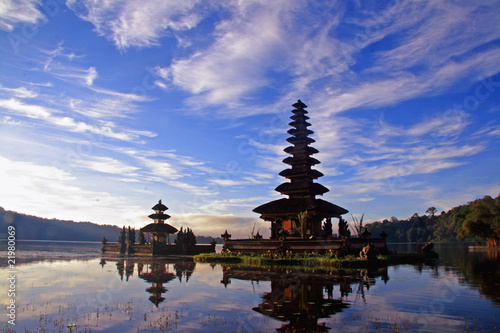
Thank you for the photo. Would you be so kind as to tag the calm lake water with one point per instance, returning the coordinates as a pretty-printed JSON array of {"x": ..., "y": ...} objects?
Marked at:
[{"x": 61, "y": 284}]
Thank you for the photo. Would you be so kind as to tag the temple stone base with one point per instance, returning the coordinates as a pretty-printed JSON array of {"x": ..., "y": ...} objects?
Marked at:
[
  {"x": 154, "y": 250},
  {"x": 298, "y": 245}
]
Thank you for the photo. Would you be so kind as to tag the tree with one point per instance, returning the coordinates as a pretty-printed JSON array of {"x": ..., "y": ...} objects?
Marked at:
[
  {"x": 122, "y": 240},
  {"x": 358, "y": 224},
  {"x": 483, "y": 221},
  {"x": 328, "y": 227},
  {"x": 179, "y": 240},
  {"x": 122, "y": 236},
  {"x": 301, "y": 227},
  {"x": 131, "y": 236},
  {"x": 142, "y": 239},
  {"x": 186, "y": 240},
  {"x": 431, "y": 211}
]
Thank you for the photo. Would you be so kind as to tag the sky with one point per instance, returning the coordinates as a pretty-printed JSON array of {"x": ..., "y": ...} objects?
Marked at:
[{"x": 108, "y": 106}]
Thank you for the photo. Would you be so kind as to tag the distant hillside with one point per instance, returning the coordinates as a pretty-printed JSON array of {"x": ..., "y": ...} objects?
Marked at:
[
  {"x": 36, "y": 228},
  {"x": 32, "y": 227},
  {"x": 447, "y": 226}
]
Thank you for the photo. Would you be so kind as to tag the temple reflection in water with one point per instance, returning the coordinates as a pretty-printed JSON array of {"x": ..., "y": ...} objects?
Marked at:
[
  {"x": 300, "y": 299},
  {"x": 157, "y": 271}
]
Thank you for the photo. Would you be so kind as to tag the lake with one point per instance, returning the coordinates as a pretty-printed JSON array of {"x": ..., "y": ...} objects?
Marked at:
[{"x": 68, "y": 284}]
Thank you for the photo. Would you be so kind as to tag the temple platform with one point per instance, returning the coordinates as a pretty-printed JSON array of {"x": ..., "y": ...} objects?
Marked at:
[
  {"x": 148, "y": 250},
  {"x": 298, "y": 245}
]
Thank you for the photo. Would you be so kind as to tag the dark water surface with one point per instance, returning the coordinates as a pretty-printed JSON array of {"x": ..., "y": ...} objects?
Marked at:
[{"x": 61, "y": 284}]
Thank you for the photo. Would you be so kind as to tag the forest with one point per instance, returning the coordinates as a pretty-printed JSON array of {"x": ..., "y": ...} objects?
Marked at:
[
  {"x": 477, "y": 220},
  {"x": 30, "y": 227}
]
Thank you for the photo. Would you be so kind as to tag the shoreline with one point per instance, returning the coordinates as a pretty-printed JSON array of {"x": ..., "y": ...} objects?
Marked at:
[{"x": 348, "y": 261}]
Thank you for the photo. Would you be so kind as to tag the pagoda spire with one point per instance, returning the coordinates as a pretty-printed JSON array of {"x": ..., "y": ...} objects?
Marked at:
[
  {"x": 159, "y": 216},
  {"x": 300, "y": 174}
]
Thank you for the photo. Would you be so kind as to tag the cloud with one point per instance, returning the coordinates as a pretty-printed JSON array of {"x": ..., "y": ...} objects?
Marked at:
[
  {"x": 83, "y": 76},
  {"x": 64, "y": 66},
  {"x": 20, "y": 92},
  {"x": 432, "y": 30},
  {"x": 165, "y": 165},
  {"x": 193, "y": 189},
  {"x": 106, "y": 104},
  {"x": 215, "y": 225},
  {"x": 137, "y": 24},
  {"x": 109, "y": 165},
  {"x": 105, "y": 129},
  {"x": 48, "y": 191},
  {"x": 229, "y": 205},
  {"x": 242, "y": 181},
  {"x": 495, "y": 131},
  {"x": 170, "y": 168},
  {"x": 245, "y": 48},
  {"x": 129, "y": 97},
  {"x": 16, "y": 12},
  {"x": 28, "y": 110}
]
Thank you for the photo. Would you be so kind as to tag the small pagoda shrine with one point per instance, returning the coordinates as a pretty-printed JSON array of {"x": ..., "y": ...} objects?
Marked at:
[
  {"x": 301, "y": 210},
  {"x": 159, "y": 242},
  {"x": 159, "y": 230}
]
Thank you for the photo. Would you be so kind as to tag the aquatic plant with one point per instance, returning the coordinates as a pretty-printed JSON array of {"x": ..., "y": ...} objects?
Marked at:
[{"x": 357, "y": 224}]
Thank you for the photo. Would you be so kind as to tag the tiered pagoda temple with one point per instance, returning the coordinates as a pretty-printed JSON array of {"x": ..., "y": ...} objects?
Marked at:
[
  {"x": 301, "y": 189},
  {"x": 301, "y": 222}
]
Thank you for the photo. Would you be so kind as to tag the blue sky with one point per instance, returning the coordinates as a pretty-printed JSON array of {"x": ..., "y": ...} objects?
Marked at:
[{"x": 107, "y": 107}]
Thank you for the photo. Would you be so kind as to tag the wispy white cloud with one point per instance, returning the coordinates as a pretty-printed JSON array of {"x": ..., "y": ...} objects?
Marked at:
[
  {"x": 129, "y": 97},
  {"x": 109, "y": 165},
  {"x": 137, "y": 24},
  {"x": 106, "y": 129},
  {"x": 16, "y": 12},
  {"x": 238, "y": 182},
  {"x": 40, "y": 84},
  {"x": 245, "y": 47},
  {"x": 172, "y": 169},
  {"x": 103, "y": 107},
  {"x": 9, "y": 121},
  {"x": 495, "y": 131},
  {"x": 226, "y": 206},
  {"x": 29, "y": 110},
  {"x": 84, "y": 76},
  {"x": 60, "y": 64},
  {"x": 20, "y": 92},
  {"x": 191, "y": 188}
]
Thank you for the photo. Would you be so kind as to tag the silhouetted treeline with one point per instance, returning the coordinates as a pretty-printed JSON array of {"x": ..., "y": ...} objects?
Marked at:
[
  {"x": 36, "y": 228},
  {"x": 30, "y": 227},
  {"x": 447, "y": 226}
]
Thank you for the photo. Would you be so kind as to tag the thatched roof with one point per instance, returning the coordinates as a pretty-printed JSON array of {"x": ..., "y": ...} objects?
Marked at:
[
  {"x": 288, "y": 207},
  {"x": 299, "y": 105},
  {"x": 159, "y": 206},
  {"x": 301, "y": 187},
  {"x": 160, "y": 216},
  {"x": 159, "y": 227},
  {"x": 291, "y": 173}
]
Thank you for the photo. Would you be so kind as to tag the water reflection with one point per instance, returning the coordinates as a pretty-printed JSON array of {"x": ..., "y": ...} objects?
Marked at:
[
  {"x": 482, "y": 270},
  {"x": 156, "y": 271},
  {"x": 73, "y": 285},
  {"x": 300, "y": 298}
]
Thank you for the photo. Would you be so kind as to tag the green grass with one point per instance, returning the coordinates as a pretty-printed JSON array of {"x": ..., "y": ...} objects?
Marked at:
[{"x": 311, "y": 260}]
